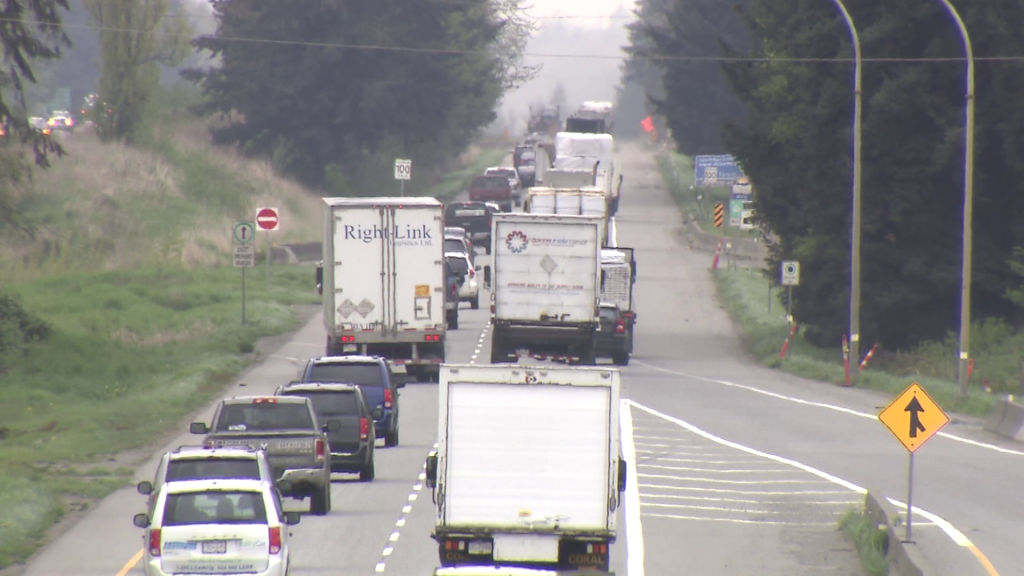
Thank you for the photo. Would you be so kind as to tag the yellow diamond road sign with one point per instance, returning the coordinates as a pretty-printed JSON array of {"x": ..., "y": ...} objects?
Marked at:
[{"x": 913, "y": 417}]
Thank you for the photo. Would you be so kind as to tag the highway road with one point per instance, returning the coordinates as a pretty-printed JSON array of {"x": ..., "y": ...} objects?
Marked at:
[{"x": 740, "y": 470}]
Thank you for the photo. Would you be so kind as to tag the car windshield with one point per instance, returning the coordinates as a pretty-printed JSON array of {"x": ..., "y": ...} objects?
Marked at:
[
  {"x": 202, "y": 468},
  {"x": 459, "y": 265},
  {"x": 215, "y": 507},
  {"x": 330, "y": 402},
  {"x": 368, "y": 374},
  {"x": 454, "y": 245},
  {"x": 490, "y": 182},
  {"x": 264, "y": 417}
]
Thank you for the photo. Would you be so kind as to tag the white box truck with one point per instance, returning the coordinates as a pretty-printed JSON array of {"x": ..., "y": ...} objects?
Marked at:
[
  {"x": 574, "y": 149},
  {"x": 383, "y": 281},
  {"x": 545, "y": 286},
  {"x": 527, "y": 470}
]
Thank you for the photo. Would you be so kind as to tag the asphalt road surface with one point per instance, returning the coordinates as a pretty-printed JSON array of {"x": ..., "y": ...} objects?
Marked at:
[{"x": 739, "y": 470}]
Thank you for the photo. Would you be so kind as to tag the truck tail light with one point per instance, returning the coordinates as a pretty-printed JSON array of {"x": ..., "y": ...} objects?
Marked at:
[
  {"x": 320, "y": 450},
  {"x": 389, "y": 397},
  {"x": 620, "y": 327},
  {"x": 364, "y": 428},
  {"x": 275, "y": 539},
  {"x": 428, "y": 338},
  {"x": 154, "y": 541}
]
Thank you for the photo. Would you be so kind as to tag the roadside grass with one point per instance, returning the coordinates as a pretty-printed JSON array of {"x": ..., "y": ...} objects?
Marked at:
[
  {"x": 872, "y": 543},
  {"x": 456, "y": 182},
  {"x": 697, "y": 204},
  {"x": 131, "y": 354},
  {"x": 744, "y": 293}
]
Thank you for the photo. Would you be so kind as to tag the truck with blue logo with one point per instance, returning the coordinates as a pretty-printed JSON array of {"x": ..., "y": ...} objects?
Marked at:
[
  {"x": 546, "y": 286},
  {"x": 383, "y": 281}
]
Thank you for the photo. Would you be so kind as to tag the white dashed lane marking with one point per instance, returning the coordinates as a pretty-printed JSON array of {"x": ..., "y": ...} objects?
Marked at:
[{"x": 389, "y": 547}]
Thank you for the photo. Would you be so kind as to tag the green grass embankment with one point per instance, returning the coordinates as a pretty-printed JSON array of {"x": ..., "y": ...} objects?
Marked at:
[{"x": 697, "y": 203}]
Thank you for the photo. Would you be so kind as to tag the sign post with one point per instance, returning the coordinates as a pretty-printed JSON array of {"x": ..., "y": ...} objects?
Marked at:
[
  {"x": 913, "y": 418},
  {"x": 269, "y": 220},
  {"x": 790, "y": 278},
  {"x": 403, "y": 172},
  {"x": 242, "y": 236}
]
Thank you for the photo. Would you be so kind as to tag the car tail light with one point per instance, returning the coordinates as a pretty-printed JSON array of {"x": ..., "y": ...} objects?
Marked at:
[
  {"x": 320, "y": 450},
  {"x": 264, "y": 400},
  {"x": 275, "y": 539},
  {"x": 154, "y": 541},
  {"x": 620, "y": 327},
  {"x": 389, "y": 397},
  {"x": 472, "y": 273},
  {"x": 364, "y": 428},
  {"x": 455, "y": 289}
]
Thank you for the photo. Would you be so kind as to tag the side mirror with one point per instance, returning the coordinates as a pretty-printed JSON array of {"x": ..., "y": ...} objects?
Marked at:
[
  {"x": 284, "y": 486},
  {"x": 198, "y": 428},
  {"x": 145, "y": 487},
  {"x": 431, "y": 471},
  {"x": 292, "y": 518},
  {"x": 477, "y": 268},
  {"x": 141, "y": 520},
  {"x": 400, "y": 383},
  {"x": 332, "y": 426},
  {"x": 320, "y": 278},
  {"x": 487, "y": 275},
  {"x": 622, "y": 475},
  {"x": 632, "y": 273},
  {"x": 377, "y": 413}
]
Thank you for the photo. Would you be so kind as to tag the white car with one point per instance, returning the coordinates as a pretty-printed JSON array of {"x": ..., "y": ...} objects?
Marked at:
[
  {"x": 222, "y": 527},
  {"x": 470, "y": 289}
]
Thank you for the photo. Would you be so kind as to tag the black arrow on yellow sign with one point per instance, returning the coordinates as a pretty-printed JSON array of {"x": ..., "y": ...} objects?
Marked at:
[{"x": 915, "y": 408}]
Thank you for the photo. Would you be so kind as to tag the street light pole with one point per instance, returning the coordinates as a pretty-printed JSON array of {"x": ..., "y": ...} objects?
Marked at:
[
  {"x": 855, "y": 224},
  {"x": 965, "y": 275}
]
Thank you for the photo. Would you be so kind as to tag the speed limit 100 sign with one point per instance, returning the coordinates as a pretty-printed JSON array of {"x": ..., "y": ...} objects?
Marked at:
[
  {"x": 790, "y": 273},
  {"x": 403, "y": 169}
]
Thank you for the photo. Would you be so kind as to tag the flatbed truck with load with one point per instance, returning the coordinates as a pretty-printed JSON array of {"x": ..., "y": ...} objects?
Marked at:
[
  {"x": 383, "y": 281},
  {"x": 515, "y": 486},
  {"x": 545, "y": 282}
]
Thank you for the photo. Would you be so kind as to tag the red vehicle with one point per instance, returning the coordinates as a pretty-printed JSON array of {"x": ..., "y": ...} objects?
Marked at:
[{"x": 492, "y": 189}]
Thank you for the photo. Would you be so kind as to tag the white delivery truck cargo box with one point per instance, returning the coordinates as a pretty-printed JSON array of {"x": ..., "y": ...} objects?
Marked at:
[
  {"x": 546, "y": 267},
  {"x": 600, "y": 146},
  {"x": 540, "y": 201},
  {"x": 564, "y": 178},
  {"x": 523, "y": 449},
  {"x": 567, "y": 202}
]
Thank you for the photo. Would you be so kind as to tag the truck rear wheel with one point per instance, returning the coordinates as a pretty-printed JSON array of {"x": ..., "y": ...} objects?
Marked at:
[
  {"x": 453, "y": 320},
  {"x": 620, "y": 359},
  {"x": 368, "y": 472},
  {"x": 475, "y": 302},
  {"x": 588, "y": 356},
  {"x": 498, "y": 354}
]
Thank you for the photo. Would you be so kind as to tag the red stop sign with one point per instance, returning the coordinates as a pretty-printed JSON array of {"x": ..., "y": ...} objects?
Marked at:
[{"x": 267, "y": 219}]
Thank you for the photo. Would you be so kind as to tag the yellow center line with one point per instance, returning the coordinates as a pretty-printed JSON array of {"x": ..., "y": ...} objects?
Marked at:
[
  {"x": 138, "y": 556},
  {"x": 983, "y": 559}
]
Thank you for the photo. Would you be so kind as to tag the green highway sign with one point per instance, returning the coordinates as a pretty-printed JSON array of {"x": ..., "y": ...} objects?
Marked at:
[{"x": 244, "y": 232}]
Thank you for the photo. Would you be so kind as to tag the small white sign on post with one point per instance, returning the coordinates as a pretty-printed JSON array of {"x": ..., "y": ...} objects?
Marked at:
[
  {"x": 245, "y": 256},
  {"x": 403, "y": 169},
  {"x": 790, "y": 273}
]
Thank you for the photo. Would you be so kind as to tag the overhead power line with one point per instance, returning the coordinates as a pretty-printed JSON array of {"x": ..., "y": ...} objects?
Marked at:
[{"x": 681, "y": 58}]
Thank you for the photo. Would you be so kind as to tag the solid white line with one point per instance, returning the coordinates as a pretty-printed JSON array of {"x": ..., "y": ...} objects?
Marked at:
[
  {"x": 741, "y": 521},
  {"x": 702, "y": 461},
  {"x": 746, "y": 501},
  {"x": 721, "y": 481},
  {"x": 745, "y": 492},
  {"x": 634, "y": 529},
  {"x": 822, "y": 405},
  {"x": 715, "y": 471},
  {"x": 957, "y": 536},
  {"x": 714, "y": 508}
]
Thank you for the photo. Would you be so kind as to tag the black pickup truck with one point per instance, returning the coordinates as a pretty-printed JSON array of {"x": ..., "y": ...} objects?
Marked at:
[{"x": 352, "y": 443}]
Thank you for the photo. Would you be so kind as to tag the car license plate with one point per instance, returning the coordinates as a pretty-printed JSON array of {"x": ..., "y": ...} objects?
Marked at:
[
  {"x": 215, "y": 547},
  {"x": 349, "y": 348},
  {"x": 479, "y": 547}
]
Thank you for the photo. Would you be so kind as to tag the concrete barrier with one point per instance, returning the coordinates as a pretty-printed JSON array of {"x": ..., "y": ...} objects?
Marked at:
[
  {"x": 1007, "y": 420},
  {"x": 742, "y": 248},
  {"x": 904, "y": 558}
]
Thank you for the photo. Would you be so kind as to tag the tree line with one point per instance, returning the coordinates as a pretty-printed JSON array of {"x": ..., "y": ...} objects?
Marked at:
[{"x": 781, "y": 99}]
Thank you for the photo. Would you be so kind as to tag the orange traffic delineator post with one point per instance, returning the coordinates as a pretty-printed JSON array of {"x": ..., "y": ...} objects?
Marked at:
[
  {"x": 846, "y": 359},
  {"x": 718, "y": 254},
  {"x": 785, "y": 345},
  {"x": 867, "y": 358},
  {"x": 970, "y": 367}
]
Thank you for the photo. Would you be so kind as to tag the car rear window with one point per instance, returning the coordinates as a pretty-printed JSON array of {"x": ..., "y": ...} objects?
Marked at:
[
  {"x": 490, "y": 182},
  {"x": 330, "y": 402},
  {"x": 454, "y": 245},
  {"x": 350, "y": 372},
  {"x": 215, "y": 507},
  {"x": 202, "y": 468},
  {"x": 470, "y": 212},
  {"x": 608, "y": 314},
  {"x": 459, "y": 265},
  {"x": 264, "y": 417}
]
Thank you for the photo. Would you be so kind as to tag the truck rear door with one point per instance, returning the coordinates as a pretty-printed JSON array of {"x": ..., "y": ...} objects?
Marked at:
[
  {"x": 359, "y": 252},
  {"x": 417, "y": 278}
]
